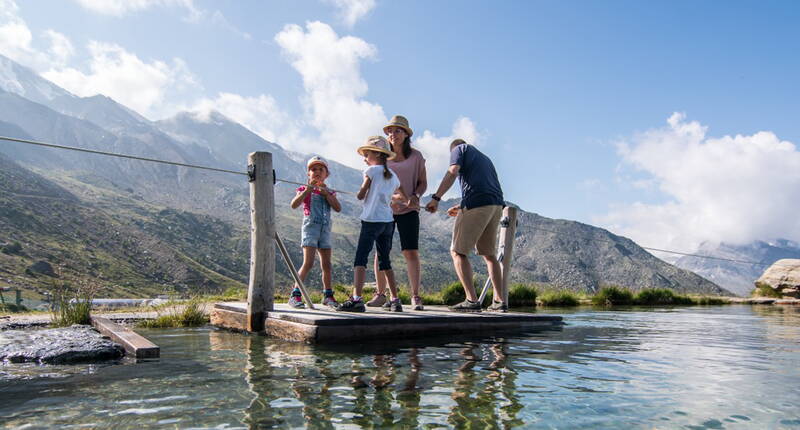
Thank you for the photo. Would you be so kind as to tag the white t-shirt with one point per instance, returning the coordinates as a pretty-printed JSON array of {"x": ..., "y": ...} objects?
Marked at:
[{"x": 379, "y": 197}]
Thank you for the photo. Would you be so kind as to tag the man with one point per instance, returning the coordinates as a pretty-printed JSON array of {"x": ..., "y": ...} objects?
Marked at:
[{"x": 477, "y": 219}]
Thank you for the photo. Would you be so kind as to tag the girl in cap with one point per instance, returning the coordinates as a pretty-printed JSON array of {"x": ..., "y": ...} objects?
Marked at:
[
  {"x": 409, "y": 164},
  {"x": 317, "y": 202},
  {"x": 377, "y": 225}
]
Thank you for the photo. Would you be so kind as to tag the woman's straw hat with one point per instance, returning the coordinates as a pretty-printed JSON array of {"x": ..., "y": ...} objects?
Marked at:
[
  {"x": 399, "y": 121},
  {"x": 377, "y": 144}
]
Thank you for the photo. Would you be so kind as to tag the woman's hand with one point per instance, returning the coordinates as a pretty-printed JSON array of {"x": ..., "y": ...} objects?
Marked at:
[{"x": 413, "y": 202}]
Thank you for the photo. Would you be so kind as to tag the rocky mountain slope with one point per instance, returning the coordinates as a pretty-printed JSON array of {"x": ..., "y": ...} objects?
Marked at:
[{"x": 151, "y": 227}]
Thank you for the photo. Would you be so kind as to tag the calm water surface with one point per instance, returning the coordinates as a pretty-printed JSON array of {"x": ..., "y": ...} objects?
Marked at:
[{"x": 710, "y": 367}]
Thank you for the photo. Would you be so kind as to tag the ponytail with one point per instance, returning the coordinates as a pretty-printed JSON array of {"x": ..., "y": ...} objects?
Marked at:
[{"x": 386, "y": 172}]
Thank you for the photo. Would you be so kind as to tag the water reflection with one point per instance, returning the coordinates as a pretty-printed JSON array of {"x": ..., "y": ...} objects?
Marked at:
[{"x": 732, "y": 367}]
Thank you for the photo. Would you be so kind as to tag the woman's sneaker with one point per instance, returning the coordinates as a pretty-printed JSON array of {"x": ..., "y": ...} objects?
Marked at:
[
  {"x": 352, "y": 305},
  {"x": 377, "y": 301},
  {"x": 497, "y": 307},
  {"x": 296, "y": 301},
  {"x": 395, "y": 305},
  {"x": 466, "y": 306},
  {"x": 416, "y": 303},
  {"x": 330, "y": 302}
]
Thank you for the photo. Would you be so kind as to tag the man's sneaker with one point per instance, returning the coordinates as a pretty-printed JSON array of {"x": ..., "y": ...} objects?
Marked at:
[
  {"x": 377, "y": 301},
  {"x": 352, "y": 305},
  {"x": 497, "y": 307},
  {"x": 416, "y": 303},
  {"x": 466, "y": 306},
  {"x": 395, "y": 305},
  {"x": 330, "y": 302},
  {"x": 296, "y": 301}
]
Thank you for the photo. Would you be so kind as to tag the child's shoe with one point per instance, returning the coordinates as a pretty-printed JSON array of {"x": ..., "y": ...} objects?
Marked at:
[
  {"x": 377, "y": 301},
  {"x": 416, "y": 302},
  {"x": 395, "y": 305},
  {"x": 352, "y": 305},
  {"x": 296, "y": 300}
]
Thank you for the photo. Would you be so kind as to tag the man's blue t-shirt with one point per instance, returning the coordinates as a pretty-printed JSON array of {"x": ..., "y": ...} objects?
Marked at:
[{"x": 479, "y": 183}]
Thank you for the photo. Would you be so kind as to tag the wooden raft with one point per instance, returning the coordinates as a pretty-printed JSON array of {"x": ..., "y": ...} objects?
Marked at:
[{"x": 324, "y": 326}]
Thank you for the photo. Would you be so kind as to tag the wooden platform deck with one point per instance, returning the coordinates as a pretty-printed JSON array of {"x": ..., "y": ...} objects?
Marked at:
[{"x": 325, "y": 325}]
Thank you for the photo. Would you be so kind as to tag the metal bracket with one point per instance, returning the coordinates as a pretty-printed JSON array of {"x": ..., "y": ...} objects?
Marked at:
[
  {"x": 274, "y": 180},
  {"x": 504, "y": 222},
  {"x": 251, "y": 172}
]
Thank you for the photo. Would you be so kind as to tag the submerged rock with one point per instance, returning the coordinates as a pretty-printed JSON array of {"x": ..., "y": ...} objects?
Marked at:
[
  {"x": 76, "y": 344},
  {"x": 783, "y": 276}
]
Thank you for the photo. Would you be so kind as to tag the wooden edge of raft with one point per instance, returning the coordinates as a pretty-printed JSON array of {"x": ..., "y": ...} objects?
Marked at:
[{"x": 134, "y": 344}]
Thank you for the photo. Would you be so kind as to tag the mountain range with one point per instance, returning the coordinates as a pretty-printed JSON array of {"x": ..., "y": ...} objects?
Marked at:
[
  {"x": 736, "y": 267},
  {"x": 142, "y": 228}
]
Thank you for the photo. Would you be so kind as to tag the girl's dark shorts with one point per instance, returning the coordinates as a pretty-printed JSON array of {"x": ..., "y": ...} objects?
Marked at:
[{"x": 408, "y": 228}]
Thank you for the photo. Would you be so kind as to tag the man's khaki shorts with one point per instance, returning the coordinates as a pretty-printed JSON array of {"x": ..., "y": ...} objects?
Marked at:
[{"x": 477, "y": 228}]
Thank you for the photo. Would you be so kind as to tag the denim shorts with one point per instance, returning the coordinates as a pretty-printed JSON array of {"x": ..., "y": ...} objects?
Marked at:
[
  {"x": 379, "y": 233},
  {"x": 316, "y": 235}
]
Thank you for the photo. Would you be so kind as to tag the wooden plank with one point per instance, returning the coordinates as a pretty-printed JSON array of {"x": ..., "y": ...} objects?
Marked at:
[
  {"x": 262, "y": 245},
  {"x": 289, "y": 330},
  {"x": 134, "y": 344},
  {"x": 235, "y": 319}
]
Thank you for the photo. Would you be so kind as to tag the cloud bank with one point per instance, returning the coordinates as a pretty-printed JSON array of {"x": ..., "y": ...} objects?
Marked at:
[
  {"x": 350, "y": 11},
  {"x": 732, "y": 189}
]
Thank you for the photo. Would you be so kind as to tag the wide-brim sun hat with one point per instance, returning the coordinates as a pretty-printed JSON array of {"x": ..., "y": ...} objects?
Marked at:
[
  {"x": 398, "y": 121},
  {"x": 377, "y": 144},
  {"x": 316, "y": 160}
]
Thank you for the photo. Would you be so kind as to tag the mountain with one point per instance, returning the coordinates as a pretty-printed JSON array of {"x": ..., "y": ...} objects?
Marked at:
[
  {"x": 738, "y": 277},
  {"x": 162, "y": 227}
]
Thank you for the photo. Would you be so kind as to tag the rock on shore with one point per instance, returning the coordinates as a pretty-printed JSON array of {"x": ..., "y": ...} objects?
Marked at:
[
  {"x": 784, "y": 277},
  {"x": 75, "y": 344}
]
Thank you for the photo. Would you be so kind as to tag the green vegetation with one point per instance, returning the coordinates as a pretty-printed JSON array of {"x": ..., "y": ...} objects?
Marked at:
[
  {"x": 764, "y": 290},
  {"x": 521, "y": 295},
  {"x": 613, "y": 296},
  {"x": 71, "y": 305},
  {"x": 14, "y": 248},
  {"x": 453, "y": 294},
  {"x": 560, "y": 298},
  {"x": 188, "y": 314},
  {"x": 704, "y": 301},
  {"x": 12, "y": 308},
  {"x": 660, "y": 296}
]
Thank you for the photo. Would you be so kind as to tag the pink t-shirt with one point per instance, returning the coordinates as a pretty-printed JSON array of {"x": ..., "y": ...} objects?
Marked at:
[
  {"x": 307, "y": 200},
  {"x": 409, "y": 172}
]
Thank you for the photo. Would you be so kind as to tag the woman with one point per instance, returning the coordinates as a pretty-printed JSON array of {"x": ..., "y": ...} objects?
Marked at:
[{"x": 409, "y": 165}]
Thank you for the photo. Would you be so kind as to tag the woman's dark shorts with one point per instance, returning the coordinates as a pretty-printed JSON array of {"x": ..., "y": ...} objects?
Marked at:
[
  {"x": 379, "y": 233},
  {"x": 408, "y": 228}
]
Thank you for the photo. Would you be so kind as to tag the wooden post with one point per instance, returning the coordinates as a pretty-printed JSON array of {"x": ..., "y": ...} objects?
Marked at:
[
  {"x": 507, "y": 231},
  {"x": 260, "y": 291}
]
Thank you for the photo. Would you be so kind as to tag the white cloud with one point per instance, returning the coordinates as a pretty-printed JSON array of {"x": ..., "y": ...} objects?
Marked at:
[
  {"x": 120, "y": 8},
  {"x": 123, "y": 7},
  {"x": 436, "y": 150},
  {"x": 334, "y": 89},
  {"x": 151, "y": 88},
  {"x": 731, "y": 189},
  {"x": 350, "y": 11},
  {"x": 17, "y": 42},
  {"x": 261, "y": 114}
]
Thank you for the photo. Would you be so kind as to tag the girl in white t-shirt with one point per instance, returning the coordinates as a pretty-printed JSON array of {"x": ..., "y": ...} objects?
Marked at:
[{"x": 377, "y": 221}]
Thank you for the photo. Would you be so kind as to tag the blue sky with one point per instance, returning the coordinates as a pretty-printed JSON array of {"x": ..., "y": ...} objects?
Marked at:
[{"x": 570, "y": 99}]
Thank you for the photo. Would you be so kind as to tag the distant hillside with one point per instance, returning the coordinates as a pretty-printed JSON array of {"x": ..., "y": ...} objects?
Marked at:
[{"x": 734, "y": 276}]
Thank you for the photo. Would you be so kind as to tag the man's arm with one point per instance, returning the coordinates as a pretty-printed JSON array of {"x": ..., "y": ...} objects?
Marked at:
[{"x": 444, "y": 186}]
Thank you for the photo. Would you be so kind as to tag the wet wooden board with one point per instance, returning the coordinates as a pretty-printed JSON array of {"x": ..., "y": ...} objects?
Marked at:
[
  {"x": 324, "y": 325},
  {"x": 134, "y": 344}
]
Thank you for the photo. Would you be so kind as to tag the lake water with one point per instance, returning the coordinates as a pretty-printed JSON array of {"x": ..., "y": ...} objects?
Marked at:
[{"x": 697, "y": 367}]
